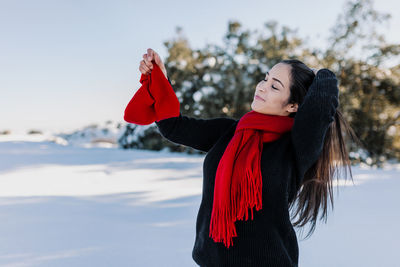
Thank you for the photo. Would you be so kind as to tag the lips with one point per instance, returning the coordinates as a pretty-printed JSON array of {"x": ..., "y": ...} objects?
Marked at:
[{"x": 259, "y": 98}]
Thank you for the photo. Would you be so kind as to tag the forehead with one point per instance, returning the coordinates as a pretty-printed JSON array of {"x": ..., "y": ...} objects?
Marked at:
[{"x": 281, "y": 71}]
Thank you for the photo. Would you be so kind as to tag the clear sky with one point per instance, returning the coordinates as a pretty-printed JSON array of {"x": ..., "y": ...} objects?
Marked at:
[{"x": 66, "y": 64}]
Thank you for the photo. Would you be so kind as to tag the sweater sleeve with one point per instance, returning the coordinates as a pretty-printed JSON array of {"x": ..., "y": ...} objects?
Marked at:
[
  {"x": 313, "y": 118},
  {"x": 200, "y": 134}
]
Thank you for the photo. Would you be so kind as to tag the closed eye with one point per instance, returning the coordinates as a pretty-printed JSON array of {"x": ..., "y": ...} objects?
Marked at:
[{"x": 272, "y": 85}]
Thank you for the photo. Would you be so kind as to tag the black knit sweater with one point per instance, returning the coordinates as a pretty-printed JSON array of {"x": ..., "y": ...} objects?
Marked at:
[{"x": 269, "y": 239}]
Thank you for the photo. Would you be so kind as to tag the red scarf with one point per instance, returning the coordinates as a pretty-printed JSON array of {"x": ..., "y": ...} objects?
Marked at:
[{"x": 238, "y": 181}]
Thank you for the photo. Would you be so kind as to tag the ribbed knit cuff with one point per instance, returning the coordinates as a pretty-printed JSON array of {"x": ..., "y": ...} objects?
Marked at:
[
  {"x": 325, "y": 73},
  {"x": 326, "y": 82}
]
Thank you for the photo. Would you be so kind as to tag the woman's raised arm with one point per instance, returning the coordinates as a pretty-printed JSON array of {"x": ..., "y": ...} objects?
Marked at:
[
  {"x": 200, "y": 134},
  {"x": 313, "y": 118}
]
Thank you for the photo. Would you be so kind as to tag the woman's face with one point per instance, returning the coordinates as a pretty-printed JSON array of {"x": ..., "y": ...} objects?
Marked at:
[{"x": 274, "y": 92}]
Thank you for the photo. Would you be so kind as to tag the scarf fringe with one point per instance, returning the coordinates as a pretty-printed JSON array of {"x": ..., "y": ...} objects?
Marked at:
[
  {"x": 222, "y": 232},
  {"x": 222, "y": 227}
]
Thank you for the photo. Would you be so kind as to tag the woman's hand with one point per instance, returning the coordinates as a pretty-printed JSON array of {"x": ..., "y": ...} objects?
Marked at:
[{"x": 146, "y": 66}]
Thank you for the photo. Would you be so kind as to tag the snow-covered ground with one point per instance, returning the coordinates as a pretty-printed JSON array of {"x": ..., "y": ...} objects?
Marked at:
[{"x": 64, "y": 205}]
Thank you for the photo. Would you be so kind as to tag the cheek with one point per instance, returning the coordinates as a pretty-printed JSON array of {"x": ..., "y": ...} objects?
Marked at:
[
  {"x": 276, "y": 99},
  {"x": 262, "y": 106},
  {"x": 273, "y": 102}
]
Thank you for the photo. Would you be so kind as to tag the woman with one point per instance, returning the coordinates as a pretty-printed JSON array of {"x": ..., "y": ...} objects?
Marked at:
[{"x": 286, "y": 148}]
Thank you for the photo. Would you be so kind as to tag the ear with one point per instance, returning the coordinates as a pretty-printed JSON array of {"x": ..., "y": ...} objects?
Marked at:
[{"x": 292, "y": 107}]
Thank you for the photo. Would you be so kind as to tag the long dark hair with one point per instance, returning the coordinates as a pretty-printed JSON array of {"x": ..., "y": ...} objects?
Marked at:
[{"x": 317, "y": 186}]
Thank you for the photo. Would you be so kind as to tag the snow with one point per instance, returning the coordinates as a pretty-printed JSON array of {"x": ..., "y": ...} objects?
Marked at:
[{"x": 67, "y": 205}]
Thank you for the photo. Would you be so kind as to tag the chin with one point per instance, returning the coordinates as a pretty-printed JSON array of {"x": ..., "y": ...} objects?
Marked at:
[{"x": 254, "y": 107}]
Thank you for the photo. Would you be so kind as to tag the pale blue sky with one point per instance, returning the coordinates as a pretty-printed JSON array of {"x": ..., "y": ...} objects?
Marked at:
[{"x": 66, "y": 64}]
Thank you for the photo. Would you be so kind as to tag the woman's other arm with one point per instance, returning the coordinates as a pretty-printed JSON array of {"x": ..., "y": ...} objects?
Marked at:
[{"x": 313, "y": 118}]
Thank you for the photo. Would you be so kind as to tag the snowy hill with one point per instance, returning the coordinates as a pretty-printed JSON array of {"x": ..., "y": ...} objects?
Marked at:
[{"x": 94, "y": 135}]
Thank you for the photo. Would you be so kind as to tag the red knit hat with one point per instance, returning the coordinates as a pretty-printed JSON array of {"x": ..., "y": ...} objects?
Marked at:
[{"x": 155, "y": 100}]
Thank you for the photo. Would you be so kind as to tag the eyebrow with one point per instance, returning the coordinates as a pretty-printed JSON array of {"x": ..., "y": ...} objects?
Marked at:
[{"x": 276, "y": 80}]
